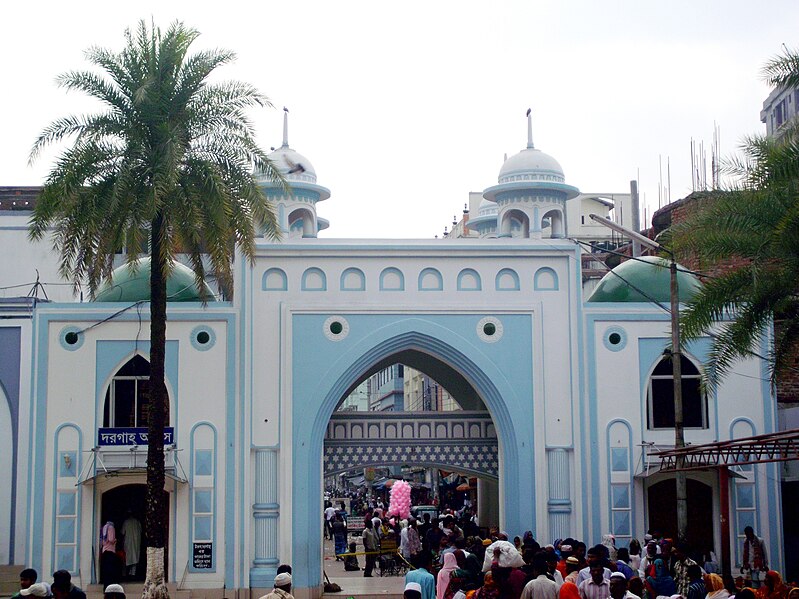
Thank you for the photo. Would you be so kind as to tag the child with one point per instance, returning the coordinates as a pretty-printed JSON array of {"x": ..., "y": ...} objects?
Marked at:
[{"x": 351, "y": 560}]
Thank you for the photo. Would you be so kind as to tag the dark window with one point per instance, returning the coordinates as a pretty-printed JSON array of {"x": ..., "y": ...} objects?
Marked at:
[
  {"x": 660, "y": 396},
  {"x": 127, "y": 401}
]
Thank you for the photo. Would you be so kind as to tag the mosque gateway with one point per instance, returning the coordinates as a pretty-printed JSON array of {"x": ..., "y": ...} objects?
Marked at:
[{"x": 559, "y": 390}]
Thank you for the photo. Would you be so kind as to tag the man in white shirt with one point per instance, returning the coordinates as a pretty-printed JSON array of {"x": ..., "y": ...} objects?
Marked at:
[
  {"x": 540, "y": 587},
  {"x": 330, "y": 512}
]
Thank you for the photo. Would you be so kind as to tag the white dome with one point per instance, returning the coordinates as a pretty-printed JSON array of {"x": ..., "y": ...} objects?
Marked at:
[
  {"x": 531, "y": 165},
  {"x": 487, "y": 208},
  {"x": 286, "y": 159}
]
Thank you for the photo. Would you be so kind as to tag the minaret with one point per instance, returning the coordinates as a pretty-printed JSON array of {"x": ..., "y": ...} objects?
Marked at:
[
  {"x": 531, "y": 193},
  {"x": 296, "y": 210}
]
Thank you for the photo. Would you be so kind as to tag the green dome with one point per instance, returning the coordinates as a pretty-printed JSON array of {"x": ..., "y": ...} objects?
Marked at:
[
  {"x": 651, "y": 275},
  {"x": 126, "y": 286}
]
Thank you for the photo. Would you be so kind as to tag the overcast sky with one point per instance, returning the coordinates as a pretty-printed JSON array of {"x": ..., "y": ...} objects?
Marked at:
[{"x": 405, "y": 107}]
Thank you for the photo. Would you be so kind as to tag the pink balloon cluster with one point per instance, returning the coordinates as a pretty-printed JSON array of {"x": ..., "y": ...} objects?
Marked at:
[{"x": 400, "y": 504}]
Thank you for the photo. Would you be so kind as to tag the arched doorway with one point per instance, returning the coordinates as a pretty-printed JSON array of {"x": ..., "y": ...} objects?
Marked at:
[
  {"x": 118, "y": 505},
  {"x": 662, "y": 509},
  {"x": 318, "y": 391}
]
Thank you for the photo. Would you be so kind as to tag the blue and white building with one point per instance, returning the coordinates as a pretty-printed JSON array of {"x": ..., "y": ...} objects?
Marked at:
[{"x": 565, "y": 397}]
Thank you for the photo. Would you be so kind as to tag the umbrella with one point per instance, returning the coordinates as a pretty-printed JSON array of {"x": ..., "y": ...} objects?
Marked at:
[{"x": 463, "y": 487}]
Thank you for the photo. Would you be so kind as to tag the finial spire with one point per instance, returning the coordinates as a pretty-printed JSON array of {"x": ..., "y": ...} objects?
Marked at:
[
  {"x": 285, "y": 127},
  {"x": 530, "y": 128}
]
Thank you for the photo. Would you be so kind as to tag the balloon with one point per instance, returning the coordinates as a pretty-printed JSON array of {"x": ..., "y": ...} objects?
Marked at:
[{"x": 400, "y": 503}]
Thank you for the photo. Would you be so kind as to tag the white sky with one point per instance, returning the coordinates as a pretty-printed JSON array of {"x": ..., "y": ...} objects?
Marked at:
[{"x": 405, "y": 107}]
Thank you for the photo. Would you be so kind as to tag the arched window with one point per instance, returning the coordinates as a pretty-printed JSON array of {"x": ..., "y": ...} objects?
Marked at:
[
  {"x": 660, "y": 396},
  {"x": 127, "y": 401}
]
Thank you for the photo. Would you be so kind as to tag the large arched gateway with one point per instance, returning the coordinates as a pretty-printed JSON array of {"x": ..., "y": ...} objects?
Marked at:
[
  {"x": 313, "y": 338},
  {"x": 436, "y": 335}
]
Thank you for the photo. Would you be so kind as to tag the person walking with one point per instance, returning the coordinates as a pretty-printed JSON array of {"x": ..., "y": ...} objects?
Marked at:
[
  {"x": 109, "y": 562},
  {"x": 754, "y": 559},
  {"x": 339, "y": 536},
  {"x": 371, "y": 545},
  {"x": 131, "y": 534}
]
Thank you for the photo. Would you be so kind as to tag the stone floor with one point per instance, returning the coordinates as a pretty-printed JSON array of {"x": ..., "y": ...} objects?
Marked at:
[{"x": 353, "y": 584}]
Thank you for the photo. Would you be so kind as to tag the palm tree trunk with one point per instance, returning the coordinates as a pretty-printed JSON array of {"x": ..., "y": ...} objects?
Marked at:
[{"x": 156, "y": 516}]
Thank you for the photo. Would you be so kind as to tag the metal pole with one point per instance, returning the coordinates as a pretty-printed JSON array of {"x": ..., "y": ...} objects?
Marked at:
[
  {"x": 724, "y": 509},
  {"x": 679, "y": 436}
]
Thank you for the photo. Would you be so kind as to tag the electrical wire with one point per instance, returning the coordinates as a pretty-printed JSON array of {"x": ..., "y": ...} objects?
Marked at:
[{"x": 616, "y": 253}]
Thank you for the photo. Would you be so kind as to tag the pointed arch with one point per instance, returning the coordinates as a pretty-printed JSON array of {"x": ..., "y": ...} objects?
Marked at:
[
  {"x": 317, "y": 397},
  {"x": 127, "y": 395}
]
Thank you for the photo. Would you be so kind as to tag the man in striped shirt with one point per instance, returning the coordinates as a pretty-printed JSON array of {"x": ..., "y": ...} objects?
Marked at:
[{"x": 596, "y": 587}]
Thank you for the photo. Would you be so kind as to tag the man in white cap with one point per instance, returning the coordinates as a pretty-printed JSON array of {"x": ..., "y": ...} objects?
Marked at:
[
  {"x": 37, "y": 591},
  {"x": 618, "y": 587},
  {"x": 114, "y": 591},
  {"x": 413, "y": 590},
  {"x": 282, "y": 588}
]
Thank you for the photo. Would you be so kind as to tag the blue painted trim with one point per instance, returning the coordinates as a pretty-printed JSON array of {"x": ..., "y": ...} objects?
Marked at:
[
  {"x": 650, "y": 351},
  {"x": 44, "y": 315},
  {"x": 737, "y": 532},
  {"x": 272, "y": 273},
  {"x": 213, "y": 492},
  {"x": 592, "y": 450},
  {"x": 392, "y": 271},
  {"x": 606, "y": 338},
  {"x": 539, "y": 285},
  {"x": 466, "y": 275},
  {"x": 630, "y": 473},
  {"x": 230, "y": 433},
  {"x": 314, "y": 271},
  {"x": 112, "y": 355},
  {"x": 506, "y": 273},
  {"x": 78, "y": 510},
  {"x": 361, "y": 286},
  {"x": 516, "y": 435},
  {"x": 36, "y": 484},
  {"x": 10, "y": 379},
  {"x": 195, "y": 342},
  {"x": 438, "y": 284},
  {"x": 63, "y": 341},
  {"x": 501, "y": 249}
]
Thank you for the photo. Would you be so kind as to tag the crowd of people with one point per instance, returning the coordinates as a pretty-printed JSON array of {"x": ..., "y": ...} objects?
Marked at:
[{"x": 452, "y": 558}]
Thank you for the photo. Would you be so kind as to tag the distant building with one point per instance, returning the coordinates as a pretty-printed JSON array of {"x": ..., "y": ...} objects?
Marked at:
[{"x": 781, "y": 106}]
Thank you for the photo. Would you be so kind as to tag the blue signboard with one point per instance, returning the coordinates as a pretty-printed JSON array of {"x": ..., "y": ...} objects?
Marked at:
[{"x": 130, "y": 436}]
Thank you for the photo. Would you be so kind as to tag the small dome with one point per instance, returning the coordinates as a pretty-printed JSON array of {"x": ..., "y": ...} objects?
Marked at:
[
  {"x": 651, "y": 275},
  {"x": 126, "y": 286},
  {"x": 286, "y": 160},
  {"x": 531, "y": 164},
  {"x": 487, "y": 208}
]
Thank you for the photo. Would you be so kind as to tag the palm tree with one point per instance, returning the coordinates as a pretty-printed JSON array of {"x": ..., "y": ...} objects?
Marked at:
[
  {"x": 752, "y": 232},
  {"x": 169, "y": 161}
]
